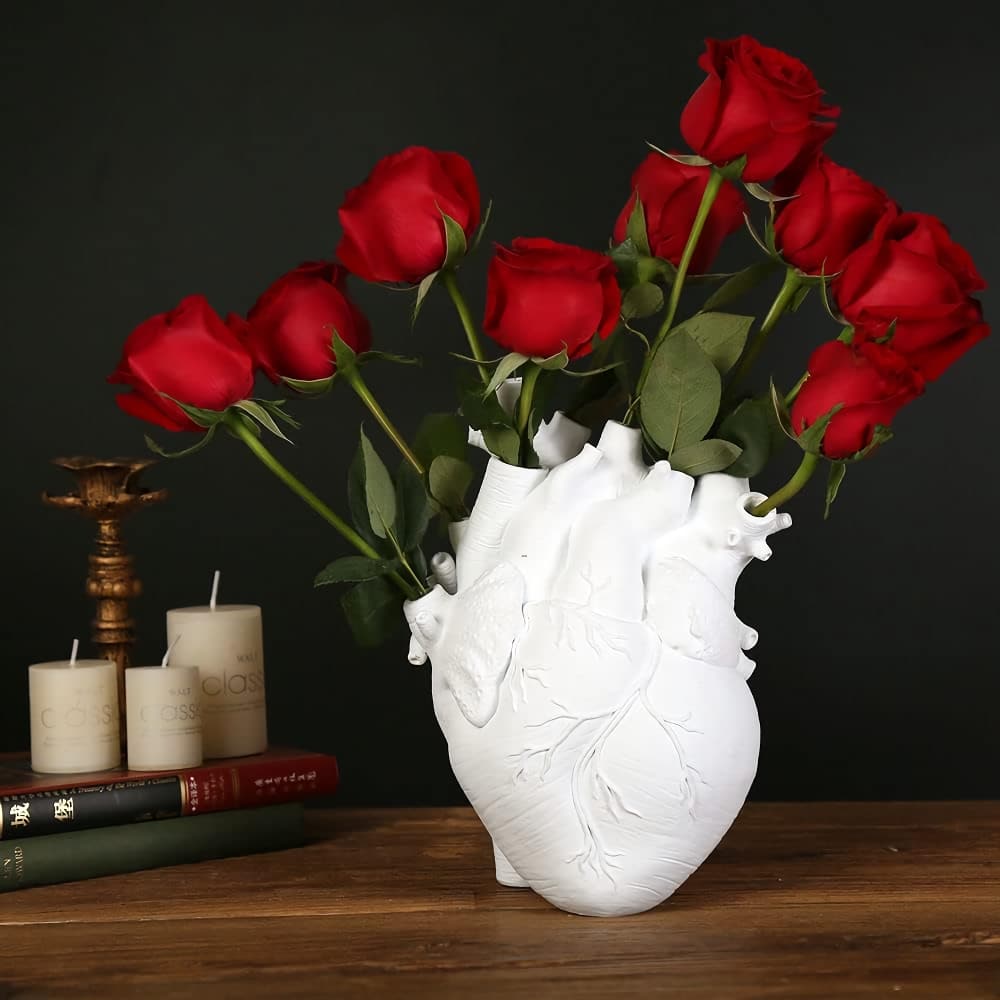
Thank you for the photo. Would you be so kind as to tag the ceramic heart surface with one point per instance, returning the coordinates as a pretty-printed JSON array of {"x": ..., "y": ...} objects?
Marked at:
[{"x": 589, "y": 671}]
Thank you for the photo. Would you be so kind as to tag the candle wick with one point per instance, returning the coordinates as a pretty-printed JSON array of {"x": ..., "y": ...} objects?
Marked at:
[
  {"x": 215, "y": 590},
  {"x": 170, "y": 649},
  {"x": 76, "y": 649}
]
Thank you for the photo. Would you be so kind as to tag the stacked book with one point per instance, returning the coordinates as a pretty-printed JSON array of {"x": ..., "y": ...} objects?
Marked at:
[{"x": 58, "y": 829}]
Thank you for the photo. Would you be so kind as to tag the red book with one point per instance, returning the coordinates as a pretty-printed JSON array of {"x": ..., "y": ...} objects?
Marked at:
[{"x": 34, "y": 804}]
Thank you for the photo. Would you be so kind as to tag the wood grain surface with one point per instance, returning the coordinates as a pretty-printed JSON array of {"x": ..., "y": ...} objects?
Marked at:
[{"x": 820, "y": 900}]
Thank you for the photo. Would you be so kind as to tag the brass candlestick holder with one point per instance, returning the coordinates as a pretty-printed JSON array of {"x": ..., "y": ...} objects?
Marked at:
[{"x": 107, "y": 490}]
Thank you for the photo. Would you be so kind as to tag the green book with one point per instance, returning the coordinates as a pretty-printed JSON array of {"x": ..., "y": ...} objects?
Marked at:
[{"x": 82, "y": 854}]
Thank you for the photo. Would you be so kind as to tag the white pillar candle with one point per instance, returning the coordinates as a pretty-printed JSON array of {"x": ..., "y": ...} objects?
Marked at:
[
  {"x": 163, "y": 709},
  {"x": 74, "y": 715},
  {"x": 225, "y": 642}
]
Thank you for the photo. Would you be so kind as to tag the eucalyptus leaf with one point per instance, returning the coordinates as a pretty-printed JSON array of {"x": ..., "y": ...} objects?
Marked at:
[
  {"x": 642, "y": 300},
  {"x": 455, "y": 242},
  {"x": 203, "y": 440},
  {"x": 354, "y": 569},
  {"x": 635, "y": 229},
  {"x": 722, "y": 336},
  {"x": 710, "y": 455},
  {"x": 260, "y": 414},
  {"x": 440, "y": 434},
  {"x": 373, "y": 611},
  {"x": 751, "y": 426},
  {"x": 380, "y": 495},
  {"x": 449, "y": 479},
  {"x": 739, "y": 284},
  {"x": 310, "y": 387},
  {"x": 413, "y": 507},
  {"x": 837, "y": 472},
  {"x": 504, "y": 442},
  {"x": 504, "y": 370},
  {"x": 422, "y": 289},
  {"x": 681, "y": 397}
]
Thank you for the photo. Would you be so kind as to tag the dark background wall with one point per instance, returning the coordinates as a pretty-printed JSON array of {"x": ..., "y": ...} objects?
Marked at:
[{"x": 154, "y": 150}]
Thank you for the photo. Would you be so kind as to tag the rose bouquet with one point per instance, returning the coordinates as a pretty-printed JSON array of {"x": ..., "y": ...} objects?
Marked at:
[{"x": 589, "y": 671}]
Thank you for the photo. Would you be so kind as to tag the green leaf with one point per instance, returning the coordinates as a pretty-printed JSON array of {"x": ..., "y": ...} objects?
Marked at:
[
  {"x": 201, "y": 443},
  {"x": 801, "y": 294},
  {"x": 733, "y": 170},
  {"x": 203, "y": 418},
  {"x": 481, "y": 411},
  {"x": 781, "y": 413},
  {"x": 345, "y": 355},
  {"x": 811, "y": 439},
  {"x": 260, "y": 414},
  {"x": 440, "y": 434},
  {"x": 310, "y": 387},
  {"x": 276, "y": 407},
  {"x": 504, "y": 370},
  {"x": 356, "y": 501},
  {"x": 837, "y": 472},
  {"x": 710, "y": 455},
  {"x": 642, "y": 300},
  {"x": 478, "y": 238},
  {"x": 448, "y": 479},
  {"x": 846, "y": 336},
  {"x": 760, "y": 241},
  {"x": 422, "y": 289},
  {"x": 593, "y": 371},
  {"x": 635, "y": 229},
  {"x": 454, "y": 236},
  {"x": 504, "y": 442},
  {"x": 396, "y": 359},
  {"x": 752, "y": 426},
  {"x": 380, "y": 495},
  {"x": 413, "y": 507},
  {"x": 722, "y": 336},
  {"x": 353, "y": 569},
  {"x": 739, "y": 284},
  {"x": 761, "y": 193},
  {"x": 880, "y": 436},
  {"x": 688, "y": 159},
  {"x": 555, "y": 363},
  {"x": 681, "y": 398},
  {"x": 373, "y": 610},
  {"x": 824, "y": 295}
]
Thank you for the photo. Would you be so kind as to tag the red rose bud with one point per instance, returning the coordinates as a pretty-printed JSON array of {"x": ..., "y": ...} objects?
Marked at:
[
  {"x": 832, "y": 214},
  {"x": 393, "y": 229},
  {"x": 871, "y": 381},
  {"x": 188, "y": 354},
  {"x": 670, "y": 193},
  {"x": 542, "y": 296},
  {"x": 913, "y": 274},
  {"x": 757, "y": 102},
  {"x": 290, "y": 328}
]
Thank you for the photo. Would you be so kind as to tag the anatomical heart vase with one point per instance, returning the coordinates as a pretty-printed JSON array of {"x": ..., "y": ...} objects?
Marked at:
[{"x": 589, "y": 671}]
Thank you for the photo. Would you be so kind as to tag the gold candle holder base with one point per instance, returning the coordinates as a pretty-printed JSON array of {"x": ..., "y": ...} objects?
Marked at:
[{"x": 108, "y": 490}]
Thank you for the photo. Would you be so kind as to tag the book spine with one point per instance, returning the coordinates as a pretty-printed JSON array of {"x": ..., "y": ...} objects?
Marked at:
[
  {"x": 241, "y": 784},
  {"x": 84, "y": 854}
]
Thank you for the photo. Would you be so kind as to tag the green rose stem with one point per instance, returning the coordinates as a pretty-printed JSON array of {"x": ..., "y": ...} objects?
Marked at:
[
  {"x": 247, "y": 436},
  {"x": 712, "y": 188},
  {"x": 791, "y": 284},
  {"x": 803, "y": 474},
  {"x": 529, "y": 380},
  {"x": 358, "y": 384},
  {"x": 468, "y": 324}
]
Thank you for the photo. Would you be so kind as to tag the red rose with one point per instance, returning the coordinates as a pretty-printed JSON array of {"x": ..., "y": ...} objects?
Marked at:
[
  {"x": 290, "y": 327},
  {"x": 757, "y": 102},
  {"x": 913, "y": 273},
  {"x": 871, "y": 381},
  {"x": 832, "y": 213},
  {"x": 671, "y": 193},
  {"x": 393, "y": 230},
  {"x": 188, "y": 354},
  {"x": 542, "y": 296}
]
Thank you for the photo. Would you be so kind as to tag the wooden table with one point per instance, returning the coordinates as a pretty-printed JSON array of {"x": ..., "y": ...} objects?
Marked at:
[{"x": 812, "y": 900}]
